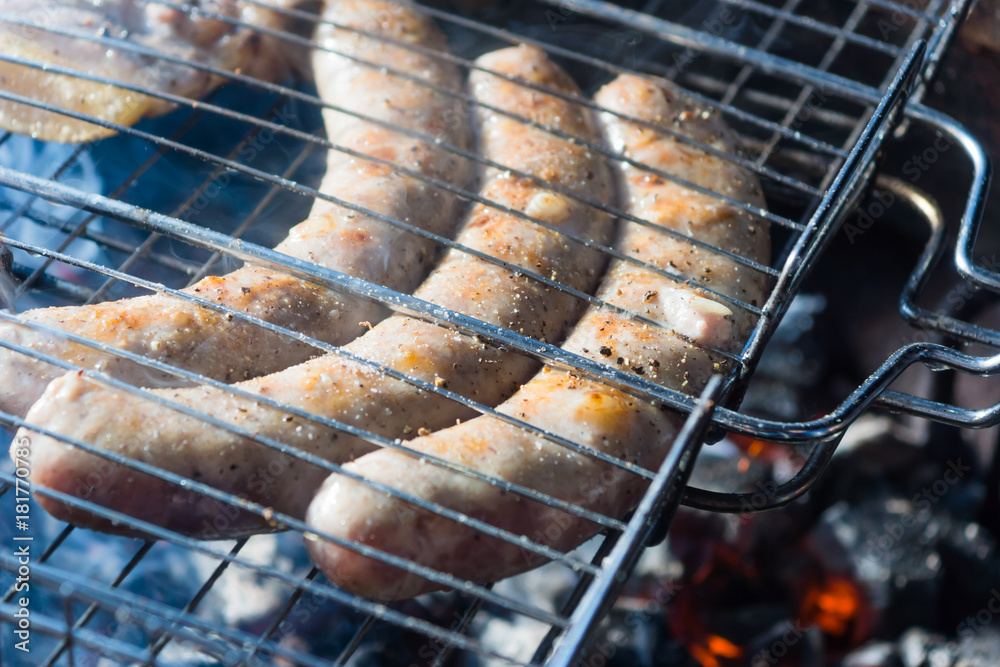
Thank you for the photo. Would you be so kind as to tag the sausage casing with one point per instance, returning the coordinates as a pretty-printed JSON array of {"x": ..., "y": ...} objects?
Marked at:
[
  {"x": 360, "y": 395},
  {"x": 682, "y": 355}
]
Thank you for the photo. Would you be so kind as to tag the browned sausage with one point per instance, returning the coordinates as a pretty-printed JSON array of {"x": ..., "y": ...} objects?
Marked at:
[
  {"x": 584, "y": 411},
  {"x": 360, "y": 395}
]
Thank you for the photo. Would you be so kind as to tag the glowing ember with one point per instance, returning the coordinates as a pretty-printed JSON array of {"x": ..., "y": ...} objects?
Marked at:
[
  {"x": 759, "y": 449},
  {"x": 715, "y": 650},
  {"x": 839, "y": 608},
  {"x": 744, "y": 602}
]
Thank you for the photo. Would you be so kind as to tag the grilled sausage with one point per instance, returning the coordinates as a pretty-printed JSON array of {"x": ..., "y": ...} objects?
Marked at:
[
  {"x": 194, "y": 36},
  {"x": 182, "y": 333},
  {"x": 360, "y": 395},
  {"x": 597, "y": 416}
]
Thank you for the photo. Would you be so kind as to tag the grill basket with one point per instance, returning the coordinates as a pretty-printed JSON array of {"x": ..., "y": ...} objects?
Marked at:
[{"x": 814, "y": 90}]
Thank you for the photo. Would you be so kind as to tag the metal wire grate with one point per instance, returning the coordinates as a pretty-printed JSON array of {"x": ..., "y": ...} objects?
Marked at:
[{"x": 813, "y": 89}]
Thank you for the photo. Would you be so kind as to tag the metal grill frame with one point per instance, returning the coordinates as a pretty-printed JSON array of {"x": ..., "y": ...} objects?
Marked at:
[{"x": 618, "y": 553}]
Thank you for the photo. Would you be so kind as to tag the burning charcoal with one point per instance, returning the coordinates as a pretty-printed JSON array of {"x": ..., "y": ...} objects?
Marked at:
[
  {"x": 727, "y": 604},
  {"x": 908, "y": 553},
  {"x": 889, "y": 546},
  {"x": 859, "y": 557},
  {"x": 764, "y": 594}
]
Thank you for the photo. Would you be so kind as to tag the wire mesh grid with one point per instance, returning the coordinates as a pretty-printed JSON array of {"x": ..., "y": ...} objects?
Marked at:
[{"x": 95, "y": 222}]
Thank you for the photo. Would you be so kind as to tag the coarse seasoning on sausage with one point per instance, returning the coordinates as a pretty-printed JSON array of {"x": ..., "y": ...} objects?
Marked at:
[
  {"x": 679, "y": 356},
  {"x": 360, "y": 395},
  {"x": 217, "y": 345}
]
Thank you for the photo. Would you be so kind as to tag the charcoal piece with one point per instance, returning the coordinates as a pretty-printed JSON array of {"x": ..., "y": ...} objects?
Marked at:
[
  {"x": 7, "y": 283},
  {"x": 919, "y": 648},
  {"x": 916, "y": 648},
  {"x": 876, "y": 654},
  {"x": 636, "y": 635},
  {"x": 732, "y": 595},
  {"x": 787, "y": 643},
  {"x": 971, "y": 574},
  {"x": 941, "y": 477},
  {"x": 979, "y": 650}
]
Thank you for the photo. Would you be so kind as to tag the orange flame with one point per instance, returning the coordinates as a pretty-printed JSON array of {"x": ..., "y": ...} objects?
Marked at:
[
  {"x": 715, "y": 651},
  {"x": 833, "y": 605}
]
